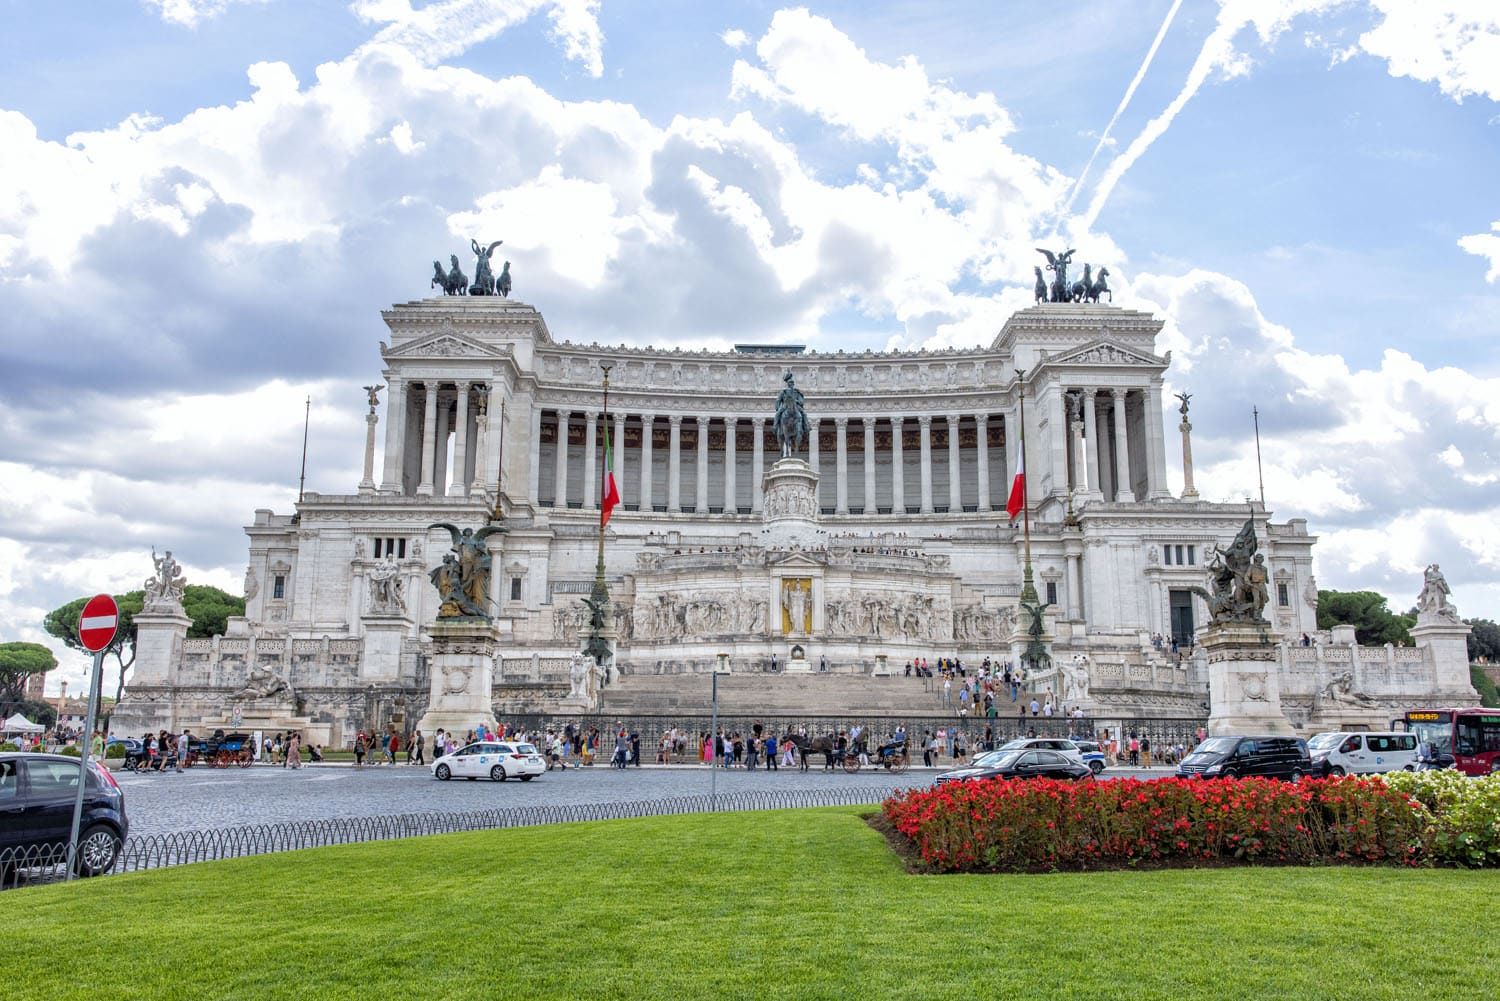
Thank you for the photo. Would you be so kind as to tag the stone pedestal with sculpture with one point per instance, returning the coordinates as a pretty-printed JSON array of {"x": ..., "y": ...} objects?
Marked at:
[
  {"x": 161, "y": 627},
  {"x": 1244, "y": 683},
  {"x": 386, "y": 624},
  {"x": 462, "y": 674},
  {"x": 1244, "y": 680},
  {"x": 1444, "y": 636}
]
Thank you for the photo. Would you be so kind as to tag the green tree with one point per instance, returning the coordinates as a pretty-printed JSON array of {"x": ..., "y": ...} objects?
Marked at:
[
  {"x": 1484, "y": 641},
  {"x": 38, "y": 712},
  {"x": 1374, "y": 623},
  {"x": 208, "y": 607},
  {"x": 18, "y": 661}
]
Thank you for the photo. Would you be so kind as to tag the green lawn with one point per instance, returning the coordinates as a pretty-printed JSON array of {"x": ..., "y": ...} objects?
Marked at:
[{"x": 744, "y": 906}]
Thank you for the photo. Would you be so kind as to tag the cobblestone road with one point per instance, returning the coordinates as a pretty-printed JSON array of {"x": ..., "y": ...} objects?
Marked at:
[{"x": 199, "y": 798}]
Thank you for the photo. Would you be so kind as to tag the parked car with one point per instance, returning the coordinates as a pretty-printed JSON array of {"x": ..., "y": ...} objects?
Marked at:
[
  {"x": 1092, "y": 755},
  {"x": 496, "y": 760},
  {"x": 1349, "y": 753},
  {"x": 1231, "y": 757},
  {"x": 1019, "y": 763},
  {"x": 1066, "y": 748},
  {"x": 37, "y": 793}
]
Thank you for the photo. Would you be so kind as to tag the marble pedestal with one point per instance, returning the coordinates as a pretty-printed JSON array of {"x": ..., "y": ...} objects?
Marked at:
[
  {"x": 790, "y": 504},
  {"x": 462, "y": 669},
  {"x": 796, "y": 661},
  {"x": 1244, "y": 686},
  {"x": 384, "y": 635},
  {"x": 267, "y": 716}
]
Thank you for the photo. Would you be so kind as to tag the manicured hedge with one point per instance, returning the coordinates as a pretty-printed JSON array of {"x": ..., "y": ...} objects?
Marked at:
[
  {"x": 1465, "y": 814},
  {"x": 1010, "y": 825}
]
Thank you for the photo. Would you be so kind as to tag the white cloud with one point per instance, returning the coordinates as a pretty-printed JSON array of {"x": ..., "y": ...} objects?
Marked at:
[
  {"x": 444, "y": 29},
  {"x": 1452, "y": 43},
  {"x": 1486, "y": 245},
  {"x": 189, "y": 13},
  {"x": 735, "y": 38}
]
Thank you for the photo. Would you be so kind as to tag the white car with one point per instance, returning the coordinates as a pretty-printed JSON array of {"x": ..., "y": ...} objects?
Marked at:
[
  {"x": 497, "y": 760},
  {"x": 1066, "y": 748},
  {"x": 1349, "y": 753}
]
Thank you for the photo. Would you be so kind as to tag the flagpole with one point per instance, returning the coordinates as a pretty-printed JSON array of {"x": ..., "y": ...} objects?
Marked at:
[
  {"x": 601, "y": 592},
  {"x": 1028, "y": 585},
  {"x": 1259, "y": 475}
]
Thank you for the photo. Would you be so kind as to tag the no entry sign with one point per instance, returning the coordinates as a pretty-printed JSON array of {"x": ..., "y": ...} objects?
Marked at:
[{"x": 97, "y": 624}]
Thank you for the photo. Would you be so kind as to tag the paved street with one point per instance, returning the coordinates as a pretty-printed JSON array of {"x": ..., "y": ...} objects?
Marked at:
[{"x": 200, "y": 798}]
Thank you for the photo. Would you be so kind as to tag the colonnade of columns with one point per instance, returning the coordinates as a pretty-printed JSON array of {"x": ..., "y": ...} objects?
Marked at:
[
  {"x": 868, "y": 475},
  {"x": 425, "y": 417},
  {"x": 1113, "y": 453}
]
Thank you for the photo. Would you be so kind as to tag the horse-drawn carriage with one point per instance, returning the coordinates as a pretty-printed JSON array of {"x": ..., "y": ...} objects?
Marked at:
[
  {"x": 224, "y": 750},
  {"x": 837, "y": 754}
]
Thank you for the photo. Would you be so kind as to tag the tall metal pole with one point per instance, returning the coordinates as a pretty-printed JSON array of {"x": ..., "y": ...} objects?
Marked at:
[
  {"x": 85, "y": 745},
  {"x": 1255, "y": 412},
  {"x": 601, "y": 591},
  {"x": 306, "y": 419},
  {"x": 1028, "y": 585}
]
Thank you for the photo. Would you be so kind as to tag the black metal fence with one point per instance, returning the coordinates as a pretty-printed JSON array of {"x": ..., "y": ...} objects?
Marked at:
[
  {"x": 1161, "y": 732},
  {"x": 32, "y": 865}
]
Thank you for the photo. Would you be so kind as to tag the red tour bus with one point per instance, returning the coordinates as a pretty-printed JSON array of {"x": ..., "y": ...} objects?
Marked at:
[{"x": 1471, "y": 736}]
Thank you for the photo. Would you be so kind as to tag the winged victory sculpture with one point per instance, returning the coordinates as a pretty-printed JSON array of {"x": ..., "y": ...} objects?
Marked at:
[{"x": 463, "y": 578}]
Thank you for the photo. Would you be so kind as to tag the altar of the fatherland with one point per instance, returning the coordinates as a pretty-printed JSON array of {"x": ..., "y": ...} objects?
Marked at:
[{"x": 896, "y": 545}]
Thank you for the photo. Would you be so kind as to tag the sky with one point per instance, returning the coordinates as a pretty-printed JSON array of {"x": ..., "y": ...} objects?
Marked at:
[{"x": 204, "y": 204}]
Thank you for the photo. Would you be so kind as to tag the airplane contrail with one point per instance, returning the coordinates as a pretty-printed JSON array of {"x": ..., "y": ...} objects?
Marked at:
[{"x": 1140, "y": 75}]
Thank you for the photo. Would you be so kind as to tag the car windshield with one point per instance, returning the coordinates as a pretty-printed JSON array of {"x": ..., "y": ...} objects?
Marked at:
[
  {"x": 998, "y": 759},
  {"x": 1323, "y": 741},
  {"x": 1217, "y": 745},
  {"x": 1019, "y": 742},
  {"x": 525, "y": 749}
]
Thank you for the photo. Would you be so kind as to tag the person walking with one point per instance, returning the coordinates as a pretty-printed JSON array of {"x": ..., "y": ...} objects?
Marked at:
[
  {"x": 359, "y": 749},
  {"x": 184, "y": 742},
  {"x": 420, "y": 742},
  {"x": 294, "y": 751},
  {"x": 770, "y": 748}
]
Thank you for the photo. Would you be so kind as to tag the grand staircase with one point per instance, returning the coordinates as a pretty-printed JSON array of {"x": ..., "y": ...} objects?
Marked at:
[{"x": 774, "y": 694}]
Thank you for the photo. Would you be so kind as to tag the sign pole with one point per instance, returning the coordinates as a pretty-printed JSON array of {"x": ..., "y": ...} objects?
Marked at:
[{"x": 85, "y": 744}]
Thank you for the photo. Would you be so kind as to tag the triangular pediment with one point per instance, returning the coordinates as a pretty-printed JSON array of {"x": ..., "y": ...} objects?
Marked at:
[
  {"x": 795, "y": 560},
  {"x": 443, "y": 344},
  {"x": 1103, "y": 351}
]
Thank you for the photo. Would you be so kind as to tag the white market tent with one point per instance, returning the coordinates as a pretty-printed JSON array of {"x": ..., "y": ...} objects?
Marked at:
[{"x": 20, "y": 724}]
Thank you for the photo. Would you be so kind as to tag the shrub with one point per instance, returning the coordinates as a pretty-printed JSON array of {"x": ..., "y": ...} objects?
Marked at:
[
  {"x": 115, "y": 751},
  {"x": 71, "y": 751},
  {"x": 1019, "y": 825},
  {"x": 1465, "y": 813},
  {"x": 8, "y": 746}
]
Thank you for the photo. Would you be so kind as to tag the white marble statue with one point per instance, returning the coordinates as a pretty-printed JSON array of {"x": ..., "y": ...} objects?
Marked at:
[
  {"x": 1433, "y": 601},
  {"x": 794, "y": 600},
  {"x": 386, "y": 591},
  {"x": 164, "y": 588},
  {"x": 1075, "y": 672},
  {"x": 578, "y": 677}
]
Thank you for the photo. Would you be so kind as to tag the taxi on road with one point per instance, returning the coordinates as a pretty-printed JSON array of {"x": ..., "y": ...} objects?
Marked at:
[{"x": 497, "y": 760}]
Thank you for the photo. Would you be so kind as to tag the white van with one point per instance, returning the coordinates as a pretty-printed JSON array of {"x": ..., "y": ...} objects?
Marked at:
[{"x": 1348, "y": 753}]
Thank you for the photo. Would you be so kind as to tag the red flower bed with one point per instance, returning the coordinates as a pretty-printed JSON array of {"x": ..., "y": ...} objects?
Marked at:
[{"x": 1004, "y": 824}]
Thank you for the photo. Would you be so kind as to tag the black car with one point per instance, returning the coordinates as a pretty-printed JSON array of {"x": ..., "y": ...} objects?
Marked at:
[
  {"x": 37, "y": 792},
  {"x": 1019, "y": 764},
  {"x": 1231, "y": 757}
]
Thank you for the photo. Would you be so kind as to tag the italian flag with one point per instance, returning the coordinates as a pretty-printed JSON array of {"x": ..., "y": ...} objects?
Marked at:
[
  {"x": 611, "y": 494},
  {"x": 1017, "y": 500}
]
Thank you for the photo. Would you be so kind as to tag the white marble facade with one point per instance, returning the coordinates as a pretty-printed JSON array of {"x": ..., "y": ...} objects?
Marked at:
[{"x": 909, "y": 551}]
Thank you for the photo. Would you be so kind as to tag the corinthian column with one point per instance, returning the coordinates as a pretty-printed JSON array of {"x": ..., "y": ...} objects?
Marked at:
[
  {"x": 674, "y": 465},
  {"x": 757, "y": 464},
  {"x": 898, "y": 467},
  {"x": 429, "y": 434},
  {"x": 1124, "y": 491},
  {"x": 869, "y": 424},
  {"x": 924, "y": 421},
  {"x": 731, "y": 426},
  {"x": 700, "y": 499},
  {"x": 560, "y": 481},
  {"x": 395, "y": 435},
  {"x": 955, "y": 484},
  {"x": 982, "y": 422},
  {"x": 459, "y": 486},
  {"x": 1186, "y": 427},
  {"x": 648, "y": 421},
  {"x": 842, "y": 465},
  {"x": 590, "y": 457},
  {"x": 1091, "y": 440},
  {"x": 367, "y": 482}
]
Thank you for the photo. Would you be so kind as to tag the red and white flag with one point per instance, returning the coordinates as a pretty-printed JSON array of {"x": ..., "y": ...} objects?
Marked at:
[
  {"x": 611, "y": 495},
  {"x": 1017, "y": 499}
]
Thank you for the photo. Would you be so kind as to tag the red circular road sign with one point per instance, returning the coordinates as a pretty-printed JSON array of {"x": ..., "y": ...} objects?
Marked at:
[{"x": 97, "y": 624}]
